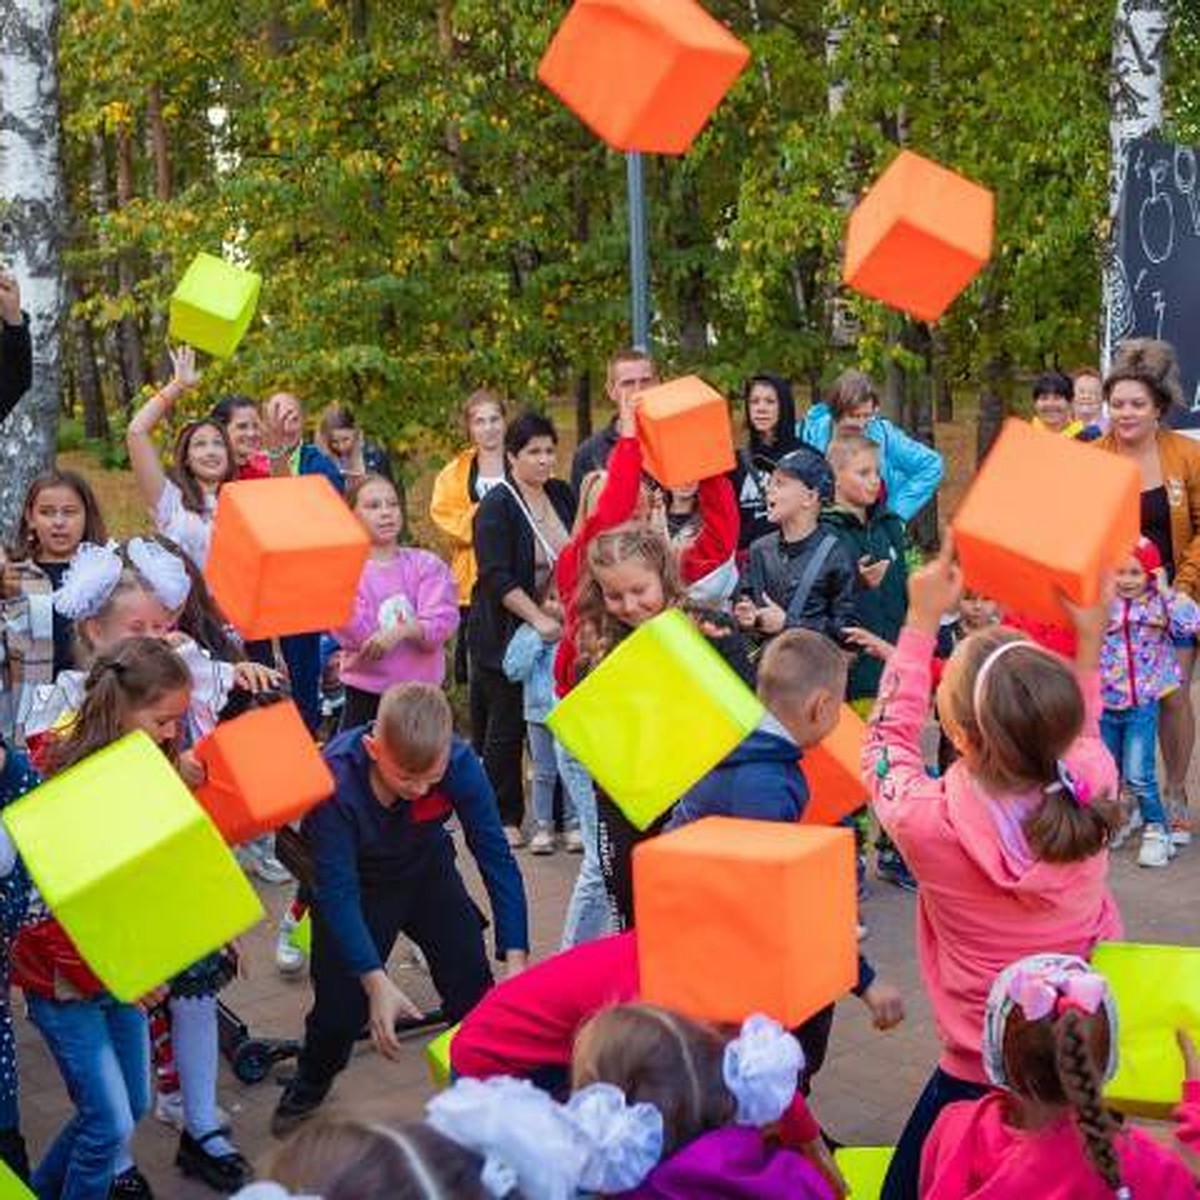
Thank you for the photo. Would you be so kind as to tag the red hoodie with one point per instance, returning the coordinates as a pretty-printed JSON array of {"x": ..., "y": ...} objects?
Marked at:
[{"x": 973, "y": 1153}]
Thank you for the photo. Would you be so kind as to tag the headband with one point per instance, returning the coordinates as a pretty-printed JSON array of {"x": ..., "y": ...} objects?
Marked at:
[
  {"x": 762, "y": 1070},
  {"x": 1044, "y": 986},
  {"x": 88, "y": 581},
  {"x": 985, "y": 669},
  {"x": 163, "y": 571}
]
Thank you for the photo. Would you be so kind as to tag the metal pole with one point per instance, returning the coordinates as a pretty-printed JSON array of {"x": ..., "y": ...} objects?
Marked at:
[{"x": 639, "y": 270}]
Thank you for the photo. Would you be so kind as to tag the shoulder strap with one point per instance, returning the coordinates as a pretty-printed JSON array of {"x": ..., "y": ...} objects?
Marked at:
[
  {"x": 808, "y": 579},
  {"x": 551, "y": 556}
]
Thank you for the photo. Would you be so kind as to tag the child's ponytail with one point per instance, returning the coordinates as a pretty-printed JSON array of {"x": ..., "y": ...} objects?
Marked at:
[{"x": 1081, "y": 1085}]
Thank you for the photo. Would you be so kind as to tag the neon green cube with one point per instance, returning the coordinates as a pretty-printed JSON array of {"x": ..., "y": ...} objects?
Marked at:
[
  {"x": 301, "y": 937},
  {"x": 864, "y": 1169},
  {"x": 655, "y": 716},
  {"x": 131, "y": 865},
  {"x": 437, "y": 1057},
  {"x": 11, "y": 1188},
  {"x": 213, "y": 305},
  {"x": 1157, "y": 990}
]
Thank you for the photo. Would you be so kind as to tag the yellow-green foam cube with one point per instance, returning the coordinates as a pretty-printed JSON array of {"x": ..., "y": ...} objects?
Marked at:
[
  {"x": 301, "y": 936},
  {"x": 131, "y": 865},
  {"x": 11, "y": 1188},
  {"x": 1157, "y": 991},
  {"x": 437, "y": 1057},
  {"x": 864, "y": 1169},
  {"x": 213, "y": 305},
  {"x": 655, "y": 716}
]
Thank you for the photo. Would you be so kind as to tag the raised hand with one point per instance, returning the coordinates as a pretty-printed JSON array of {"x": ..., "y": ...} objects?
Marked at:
[{"x": 935, "y": 589}]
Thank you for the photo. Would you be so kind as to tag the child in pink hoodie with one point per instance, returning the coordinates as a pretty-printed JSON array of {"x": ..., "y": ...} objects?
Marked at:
[
  {"x": 1049, "y": 1042},
  {"x": 1009, "y": 846}
]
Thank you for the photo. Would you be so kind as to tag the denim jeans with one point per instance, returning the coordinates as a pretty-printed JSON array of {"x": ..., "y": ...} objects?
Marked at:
[
  {"x": 1130, "y": 735},
  {"x": 588, "y": 915},
  {"x": 102, "y": 1048},
  {"x": 545, "y": 774}
]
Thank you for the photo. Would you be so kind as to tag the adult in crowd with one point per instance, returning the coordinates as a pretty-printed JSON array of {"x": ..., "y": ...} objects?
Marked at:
[
  {"x": 457, "y": 491},
  {"x": 1140, "y": 388},
  {"x": 911, "y": 470},
  {"x": 520, "y": 528},
  {"x": 770, "y": 411},
  {"x": 243, "y": 424},
  {"x": 1053, "y": 394},
  {"x": 290, "y": 454},
  {"x": 16, "y": 346},
  {"x": 628, "y": 373},
  {"x": 341, "y": 440}
]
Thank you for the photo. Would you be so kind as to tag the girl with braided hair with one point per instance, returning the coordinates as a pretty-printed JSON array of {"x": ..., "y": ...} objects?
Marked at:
[{"x": 1049, "y": 1047}]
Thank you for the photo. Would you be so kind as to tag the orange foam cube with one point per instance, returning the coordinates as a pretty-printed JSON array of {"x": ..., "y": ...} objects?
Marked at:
[
  {"x": 918, "y": 237},
  {"x": 286, "y": 556},
  {"x": 773, "y": 904},
  {"x": 685, "y": 431},
  {"x": 264, "y": 770},
  {"x": 1046, "y": 515},
  {"x": 642, "y": 74},
  {"x": 833, "y": 769}
]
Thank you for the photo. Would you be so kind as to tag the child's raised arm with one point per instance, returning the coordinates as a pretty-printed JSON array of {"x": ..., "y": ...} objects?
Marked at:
[{"x": 143, "y": 453}]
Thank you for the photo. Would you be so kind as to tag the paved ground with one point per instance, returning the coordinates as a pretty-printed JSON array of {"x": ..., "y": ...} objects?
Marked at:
[{"x": 862, "y": 1096}]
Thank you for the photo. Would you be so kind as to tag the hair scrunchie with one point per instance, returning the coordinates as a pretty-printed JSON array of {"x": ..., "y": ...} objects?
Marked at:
[
  {"x": 762, "y": 1068},
  {"x": 89, "y": 581}
]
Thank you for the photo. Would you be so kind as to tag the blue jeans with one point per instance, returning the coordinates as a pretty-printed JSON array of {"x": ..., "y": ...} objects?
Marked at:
[
  {"x": 102, "y": 1048},
  {"x": 1130, "y": 735},
  {"x": 589, "y": 915},
  {"x": 545, "y": 776}
]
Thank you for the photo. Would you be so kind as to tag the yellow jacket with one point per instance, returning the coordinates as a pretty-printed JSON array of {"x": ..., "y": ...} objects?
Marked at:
[{"x": 453, "y": 511}]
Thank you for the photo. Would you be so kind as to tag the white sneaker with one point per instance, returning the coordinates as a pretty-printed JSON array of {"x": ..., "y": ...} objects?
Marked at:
[
  {"x": 1180, "y": 825},
  {"x": 168, "y": 1108},
  {"x": 289, "y": 958},
  {"x": 542, "y": 841},
  {"x": 573, "y": 841},
  {"x": 1156, "y": 847},
  {"x": 1130, "y": 826}
]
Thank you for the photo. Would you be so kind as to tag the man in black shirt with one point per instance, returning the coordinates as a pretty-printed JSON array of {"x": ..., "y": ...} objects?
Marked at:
[
  {"x": 629, "y": 372},
  {"x": 16, "y": 349}
]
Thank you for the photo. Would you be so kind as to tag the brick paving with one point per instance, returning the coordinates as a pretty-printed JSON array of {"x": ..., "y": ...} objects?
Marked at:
[{"x": 862, "y": 1096}]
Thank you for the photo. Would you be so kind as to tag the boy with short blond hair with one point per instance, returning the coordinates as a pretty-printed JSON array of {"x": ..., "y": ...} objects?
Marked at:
[{"x": 384, "y": 864}]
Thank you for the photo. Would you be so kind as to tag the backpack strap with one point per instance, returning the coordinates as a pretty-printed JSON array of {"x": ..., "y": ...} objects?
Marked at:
[{"x": 808, "y": 579}]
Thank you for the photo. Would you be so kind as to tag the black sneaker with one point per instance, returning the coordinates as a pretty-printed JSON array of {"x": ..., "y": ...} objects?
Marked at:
[
  {"x": 225, "y": 1173},
  {"x": 299, "y": 1101},
  {"x": 130, "y": 1185},
  {"x": 891, "y": 868}
]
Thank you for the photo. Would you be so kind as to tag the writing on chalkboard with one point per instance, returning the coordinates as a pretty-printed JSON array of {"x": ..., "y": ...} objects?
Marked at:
[{"x": 1154, "y": 288}]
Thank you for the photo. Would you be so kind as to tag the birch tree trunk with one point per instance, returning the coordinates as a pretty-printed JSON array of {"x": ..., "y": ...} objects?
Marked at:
[
  {"x": 1136, "y": 89},
  {"x": 33, "y": 224}
]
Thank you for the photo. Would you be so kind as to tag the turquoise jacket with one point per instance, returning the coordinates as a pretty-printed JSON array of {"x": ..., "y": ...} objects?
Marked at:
[{"x": 911, "y": 470}]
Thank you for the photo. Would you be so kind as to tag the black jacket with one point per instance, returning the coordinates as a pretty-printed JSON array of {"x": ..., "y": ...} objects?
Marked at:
[
  {"x": 16, "y": 365},
  {"x": 776, "y": 568},
  {"x": 593, "y": 453},
  {"x": 504, "y": 553}
]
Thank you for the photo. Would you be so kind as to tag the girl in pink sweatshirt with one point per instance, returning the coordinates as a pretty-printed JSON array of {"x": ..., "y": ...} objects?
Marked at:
[
  {"x": 1049, "y": 1044},
  {"x": 1009, "y": 846},
  {"x": 405, "y": 612}
]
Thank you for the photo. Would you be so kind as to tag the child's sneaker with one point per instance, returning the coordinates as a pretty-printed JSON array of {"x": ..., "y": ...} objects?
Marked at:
[
  {"x": 573, "y": 841},
  {"x": 1181, "y": 825},
  {"x": 1156, "y": 847},
  {"x": 168, "y": 1108},
  {"x": 131, "y": 1184},
  {"x": 542, "y": 841},
  {"x": 264, "y": 864},
  {"x": 1129, "y": 827},
  {"x": 289, "y": 957},
  {"x": 891, "y": 868}
]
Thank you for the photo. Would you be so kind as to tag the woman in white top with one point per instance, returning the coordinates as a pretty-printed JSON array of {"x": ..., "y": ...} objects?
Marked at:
[{"x": 181, "y": 501}]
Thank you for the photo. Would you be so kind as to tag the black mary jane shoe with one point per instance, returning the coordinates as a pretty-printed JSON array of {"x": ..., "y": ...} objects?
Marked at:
[{"x": 225, "y": 1173}]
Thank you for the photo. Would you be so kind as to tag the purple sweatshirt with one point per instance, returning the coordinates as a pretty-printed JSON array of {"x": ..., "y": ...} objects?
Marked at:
[
  {"x": 733, "y": 1163},
  {"x": 413, "y": 584}
]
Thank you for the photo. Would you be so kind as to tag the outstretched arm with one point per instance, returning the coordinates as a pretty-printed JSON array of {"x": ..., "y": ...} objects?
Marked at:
[{"x": 143, "y": 453}]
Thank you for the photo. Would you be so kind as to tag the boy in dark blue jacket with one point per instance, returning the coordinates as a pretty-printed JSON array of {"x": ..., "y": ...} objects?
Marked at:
[
  {"x": 801, "y": 681},
  {"x": 382, "y": 864}
]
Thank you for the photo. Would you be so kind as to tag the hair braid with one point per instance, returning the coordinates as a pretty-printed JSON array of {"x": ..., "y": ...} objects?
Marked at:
[{"x": 1081, "y": 1085}]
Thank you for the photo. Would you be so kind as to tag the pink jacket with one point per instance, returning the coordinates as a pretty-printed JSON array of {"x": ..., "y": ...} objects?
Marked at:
[
  {"x": 983, "y": 901},
  {"x": 974, "y": 1154},
  {"x": 414, "y": 583}
]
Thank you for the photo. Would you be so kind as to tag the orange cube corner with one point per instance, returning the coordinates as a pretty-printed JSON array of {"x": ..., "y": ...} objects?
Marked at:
[
  {"x": 685, "y": 431},
  {"x": 833, "y": 771}
]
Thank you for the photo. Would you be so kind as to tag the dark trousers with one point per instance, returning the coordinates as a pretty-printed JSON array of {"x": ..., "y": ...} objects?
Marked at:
[
  {"x": 461, "y": 674},
  {"x": 498, "y": 734},
  {"x": 359, "y": 708},
  {"x": 617, "y": 837},
  {"x": 904, "y": 1174},
  {"x": 436, "y": 912},
  {"x": 302, "y": 656}
]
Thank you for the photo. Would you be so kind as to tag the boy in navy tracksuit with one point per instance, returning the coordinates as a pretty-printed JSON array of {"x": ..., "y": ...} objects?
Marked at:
[
  {"x": 383, "y": 863},
  {"x": 801, "y": 681}
]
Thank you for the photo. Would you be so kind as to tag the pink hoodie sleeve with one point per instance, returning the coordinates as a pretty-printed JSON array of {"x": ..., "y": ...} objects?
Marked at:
[
  {"x": 1088, "y": 757},
  {"x": 903, "y": 795},
  {"x": 435, "y": 599},
  {"x": 364, "y": 619}
]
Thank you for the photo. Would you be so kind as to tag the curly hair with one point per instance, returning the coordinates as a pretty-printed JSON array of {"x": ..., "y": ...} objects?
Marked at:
[{"x": 1152, "y": 363}]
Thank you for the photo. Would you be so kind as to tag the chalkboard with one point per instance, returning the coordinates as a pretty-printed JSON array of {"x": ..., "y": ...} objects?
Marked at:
[{"x": 1155, "y": 289}]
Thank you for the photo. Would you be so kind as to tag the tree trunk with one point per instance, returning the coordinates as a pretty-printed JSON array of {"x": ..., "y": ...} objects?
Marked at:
[
  {"x": 133, "y": 361},
  {"x": 1136, "y": 86},
  {"x": 583, "y": 405},
  {"x": 31, "y": 182},
  {"x": 158, "y": 147}
]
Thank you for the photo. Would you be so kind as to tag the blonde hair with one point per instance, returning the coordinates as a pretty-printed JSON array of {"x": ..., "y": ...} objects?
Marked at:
[
  {"x": 845, "y": 448},
  {"x": 477, "y": 399},
  {"x": 591, "y": 487},
  {"x": 415, "y": 724}
]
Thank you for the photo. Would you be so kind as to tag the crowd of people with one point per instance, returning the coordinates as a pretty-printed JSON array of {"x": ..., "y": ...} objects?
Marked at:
[{"x": 796, "y": 568}]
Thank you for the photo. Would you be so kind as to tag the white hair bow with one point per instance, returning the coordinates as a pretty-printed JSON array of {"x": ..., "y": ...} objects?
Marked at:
[
  {"x": 762, "y": 1070},
  {"x": 89, "y": 581},
  {"x": 163, "y": 571}
]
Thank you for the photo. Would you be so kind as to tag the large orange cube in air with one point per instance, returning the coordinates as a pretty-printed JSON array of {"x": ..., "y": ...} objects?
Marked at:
[
  {"x": 736, "y": 917},
  {"x": 642, "y": 74},
  {"x": 1046, "y": 515},
  {"x": 264, "y": 770},
  {"x": 286, "y": 556},
  {"x": 918, "y": 237},
  {"x": 833, "y": 770},
  {"x": 685, "y": 431}
]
